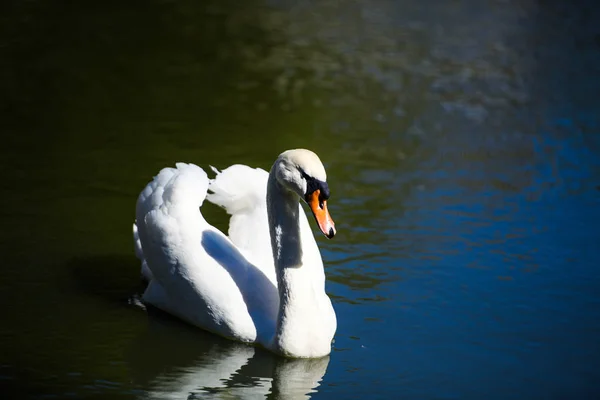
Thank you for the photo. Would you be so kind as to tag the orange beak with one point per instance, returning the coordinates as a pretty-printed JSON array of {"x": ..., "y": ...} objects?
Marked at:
[{"x": 319, "y": 210}]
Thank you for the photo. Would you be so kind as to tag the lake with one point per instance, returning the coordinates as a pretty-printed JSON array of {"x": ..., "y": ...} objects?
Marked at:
[{"x": 462, "y": 145}]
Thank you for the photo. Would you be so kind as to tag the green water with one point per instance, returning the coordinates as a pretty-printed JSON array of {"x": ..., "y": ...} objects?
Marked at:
[{"x": 463, "y": 168}]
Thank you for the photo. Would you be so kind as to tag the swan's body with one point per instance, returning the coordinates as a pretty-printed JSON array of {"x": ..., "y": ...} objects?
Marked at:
[{"x": 263, "y": 284}]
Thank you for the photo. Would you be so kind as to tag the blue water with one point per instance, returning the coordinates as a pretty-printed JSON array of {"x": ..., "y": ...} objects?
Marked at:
[{"x": 482, "y": 293}]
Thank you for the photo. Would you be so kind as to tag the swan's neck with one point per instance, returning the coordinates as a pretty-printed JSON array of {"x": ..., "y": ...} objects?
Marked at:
[
  {"x": 282, "y": 209},
  {"x": 300, "y": 329}
]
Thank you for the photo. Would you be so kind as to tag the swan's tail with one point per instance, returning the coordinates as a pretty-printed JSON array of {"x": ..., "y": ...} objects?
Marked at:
[{"x": 183, "y": 187}]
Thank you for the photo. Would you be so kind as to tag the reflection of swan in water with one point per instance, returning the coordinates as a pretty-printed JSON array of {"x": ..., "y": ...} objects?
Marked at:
[{"x": 184, "y": 365}]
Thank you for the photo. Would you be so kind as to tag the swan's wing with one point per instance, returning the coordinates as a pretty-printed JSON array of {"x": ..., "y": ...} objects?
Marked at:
[
  {"x": 242, "y": 192},
  {"x": 148, "y": 200},
  {"x": 187, "y": 280}
]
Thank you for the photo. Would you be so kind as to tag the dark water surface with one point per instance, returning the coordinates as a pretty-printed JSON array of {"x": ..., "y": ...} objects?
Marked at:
[{"x": 462, "y": 143}]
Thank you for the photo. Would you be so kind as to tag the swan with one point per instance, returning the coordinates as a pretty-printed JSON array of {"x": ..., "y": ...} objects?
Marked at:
[{"x": 265, "y": 283}]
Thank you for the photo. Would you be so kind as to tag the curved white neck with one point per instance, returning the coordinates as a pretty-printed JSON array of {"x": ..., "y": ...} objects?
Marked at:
[
  {"x": 282, "y": 210},
  {"x": 305, "y": 312}
]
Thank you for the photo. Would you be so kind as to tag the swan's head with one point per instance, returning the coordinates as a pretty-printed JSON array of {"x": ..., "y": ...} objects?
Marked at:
[{"x": 302, "y": 172}]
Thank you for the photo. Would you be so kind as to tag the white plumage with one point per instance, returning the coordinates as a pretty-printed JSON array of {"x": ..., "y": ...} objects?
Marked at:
[{"x": 233, "y": 286}]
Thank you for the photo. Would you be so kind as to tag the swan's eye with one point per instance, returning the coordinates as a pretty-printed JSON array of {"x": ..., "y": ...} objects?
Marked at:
[
  {"x": 324, "y": 191},
  {"x": 312, "y": 185}
]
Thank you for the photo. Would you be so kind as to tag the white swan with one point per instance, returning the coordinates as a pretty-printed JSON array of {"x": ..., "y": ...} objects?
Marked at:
[{"x": 265, "y": 283}]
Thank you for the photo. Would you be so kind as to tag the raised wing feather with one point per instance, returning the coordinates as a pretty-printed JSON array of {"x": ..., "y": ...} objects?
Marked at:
[{"x": 242, "y": 192}]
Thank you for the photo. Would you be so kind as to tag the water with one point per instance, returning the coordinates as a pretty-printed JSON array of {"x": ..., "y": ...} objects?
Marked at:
[{"x": 462, "y": 146}]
